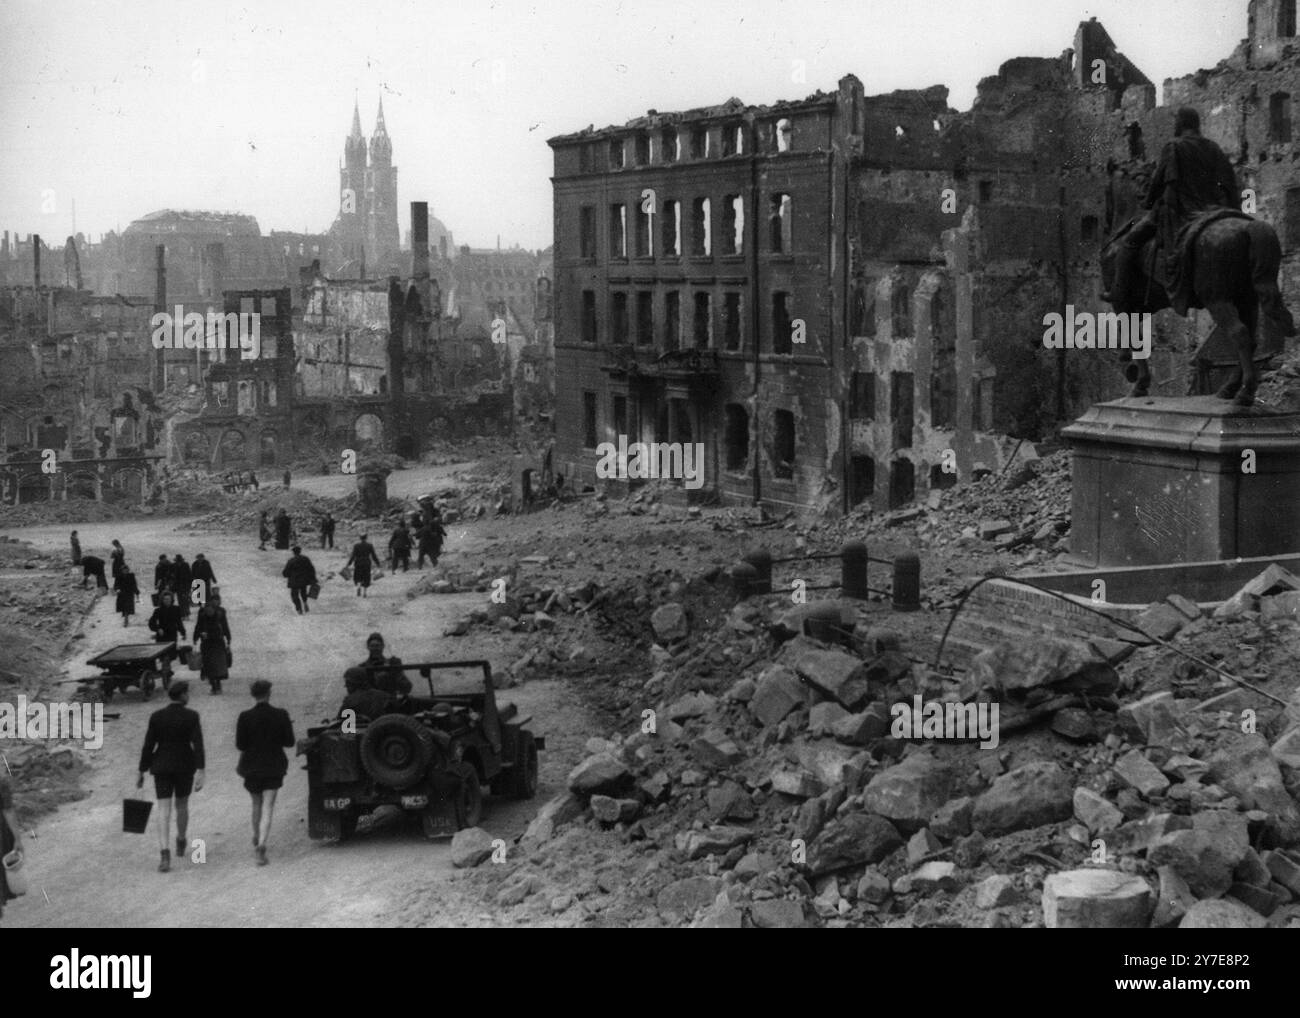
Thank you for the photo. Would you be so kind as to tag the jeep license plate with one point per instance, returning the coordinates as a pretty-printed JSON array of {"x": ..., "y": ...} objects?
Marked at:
[
  {"x": 336, "y": 804},
  {"x": 414, "y": 801}
]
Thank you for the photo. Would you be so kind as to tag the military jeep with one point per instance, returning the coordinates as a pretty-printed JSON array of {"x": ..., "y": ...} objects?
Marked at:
[{"x": 431, "y": 761}]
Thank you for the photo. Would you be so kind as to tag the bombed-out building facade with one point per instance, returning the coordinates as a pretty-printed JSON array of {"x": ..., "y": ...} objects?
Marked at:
[{"x": 842, "y": 298}]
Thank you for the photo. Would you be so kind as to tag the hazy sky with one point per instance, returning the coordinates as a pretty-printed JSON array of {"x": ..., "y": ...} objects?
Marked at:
[{"x": 128, "y": 107}]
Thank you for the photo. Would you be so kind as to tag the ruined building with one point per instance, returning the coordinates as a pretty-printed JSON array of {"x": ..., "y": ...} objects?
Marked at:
[{"x": 843, "y": 295}]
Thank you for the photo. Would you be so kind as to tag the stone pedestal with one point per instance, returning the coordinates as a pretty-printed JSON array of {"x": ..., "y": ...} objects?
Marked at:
[{"x": 1160, "y": 480}]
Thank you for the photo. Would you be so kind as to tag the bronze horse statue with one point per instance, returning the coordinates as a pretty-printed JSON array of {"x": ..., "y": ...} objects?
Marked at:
[{"x": 1234, "y": 277}]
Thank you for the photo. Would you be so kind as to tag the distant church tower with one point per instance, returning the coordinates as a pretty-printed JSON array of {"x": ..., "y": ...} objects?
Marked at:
[{"x": 365, "y": 233}]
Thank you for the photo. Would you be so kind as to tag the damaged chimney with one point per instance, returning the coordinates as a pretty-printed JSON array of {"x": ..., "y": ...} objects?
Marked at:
[{"x": 420, "y": 239}]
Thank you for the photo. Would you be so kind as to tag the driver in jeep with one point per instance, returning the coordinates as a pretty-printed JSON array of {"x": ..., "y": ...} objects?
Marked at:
[
  {"x": 389, "y": 679},
  {"x": 363, "y": 698}
]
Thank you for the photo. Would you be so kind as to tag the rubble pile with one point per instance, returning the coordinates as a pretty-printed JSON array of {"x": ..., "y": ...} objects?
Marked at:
[{"x": 775, "y": 793}]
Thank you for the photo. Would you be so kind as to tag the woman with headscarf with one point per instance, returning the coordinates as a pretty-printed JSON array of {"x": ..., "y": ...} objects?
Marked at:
[
  {"x": 118, "y": 559},
  {"x": 212, "y": 634},
  {"x": 363, "y": 553},
  {"x": 127, "y": 591}
]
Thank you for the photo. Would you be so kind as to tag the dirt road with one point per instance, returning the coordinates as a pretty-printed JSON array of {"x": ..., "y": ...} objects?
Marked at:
[{"x": 86, "y": 873}]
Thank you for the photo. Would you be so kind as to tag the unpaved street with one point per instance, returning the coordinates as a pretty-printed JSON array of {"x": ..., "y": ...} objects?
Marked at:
[{"x": 86, "y": 873}]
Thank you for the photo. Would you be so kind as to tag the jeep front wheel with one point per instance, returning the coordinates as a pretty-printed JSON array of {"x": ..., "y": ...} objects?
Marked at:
[{"x": 469, "y": 796}]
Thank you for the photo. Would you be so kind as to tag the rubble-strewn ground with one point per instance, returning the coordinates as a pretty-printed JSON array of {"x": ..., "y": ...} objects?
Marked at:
[{"x": 727, "y": 769}]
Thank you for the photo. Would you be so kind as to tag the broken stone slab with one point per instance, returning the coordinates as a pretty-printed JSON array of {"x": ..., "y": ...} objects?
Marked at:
[
  {"x": 692, "y": 705},
  {"x": 936, "y": 875},
  {"x": 779, "y": 691},
  {"x": 827, "y": 762},
  {"x": 798, "y": 783},
  {"x": 1160, "y": 620},
  {"x": 656, "y": 786},
  {"x": 1251, "y": 870},
  {"x": 1037, "y": 793},
  {"x": 669, "y": 623},
  {"x": 1286, "y": 751},
  {"x": 1096, "y": 812},
  {"x": 997, "y": 891},
  {"x": 609, "y": 810},
  {"x": 1221, "y": 914},
  {"x": 730, "y": 802},
  {"x": 558, "y": 811},
  {"x": 855, "y": 839},
  {"x": 715, "y": 841},
  {"x": 1284, "y": 869},
  {"x": 741, "y": 691},
  {"x": 1185, "y": 768},
  {"x": 721, "y": 915},
  {"x": 1154, "y": 721},
  {"x": 1273, "y": 580},
  {"x": 1257, "y": 899},
  {"x": 1028, "y": 664},
  {"x": 989, "y": 529},
  {"x": 1140, "y": 774},
  {"x": 1185, "y": 606},
  {"x": 952, "y": 820},
  {"x": 687, "y": 896},
  {"x": 823, "y": 717},
  {"x": 1199, "y": 858},
  {"x": 470, "y": 847},
  {"x": 909, "y": 792},
  {"x": 1140, "y": 835},
  {"x": 861, "y": 728},
  {"x": 778, "y": 914},
  {"x": 1247, "y": 770},
  {"x": 839, "y": 675},
  {"x": 874, "y": 887},
  {"x": 602, "y": 773},
  {"x": 1173, "y": 899},
  {"x": 1280, "y": 607},
  {"x": 1074, "y": 723},
  {"x": 921, "y": 844},
  {"x": 1095, "y": 899},
  {"x": 715, "y": 750}
]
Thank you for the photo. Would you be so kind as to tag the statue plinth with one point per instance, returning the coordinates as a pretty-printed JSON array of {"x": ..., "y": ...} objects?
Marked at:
[{"x": 1160, "y": 480}]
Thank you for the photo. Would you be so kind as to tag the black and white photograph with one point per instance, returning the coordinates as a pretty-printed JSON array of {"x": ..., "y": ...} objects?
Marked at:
[{"x": 758, "y": 465}]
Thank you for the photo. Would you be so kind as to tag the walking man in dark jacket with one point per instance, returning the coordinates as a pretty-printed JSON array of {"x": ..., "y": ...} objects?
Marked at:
[
  {"x": 283, "y": 529},
  {"x": 261, "y": 735},
  {"x": 301, "y": 575},
  {"x": 166, "y": 621},
  {"x": 162, "y": 575},
  {"x": 173, "y": 753},
  {"x": 327, "y": 531},
  {"x": 202, "y": 570},
  {"x": 431, "y": 538},
  {"x": 399, "y": 546}
]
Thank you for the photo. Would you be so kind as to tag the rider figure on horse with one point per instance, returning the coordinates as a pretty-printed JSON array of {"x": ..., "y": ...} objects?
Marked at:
[{"x": 1193, "y": 176}]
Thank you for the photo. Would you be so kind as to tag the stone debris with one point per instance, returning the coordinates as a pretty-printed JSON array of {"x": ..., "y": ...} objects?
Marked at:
[{"x": 1095, "y": 899}]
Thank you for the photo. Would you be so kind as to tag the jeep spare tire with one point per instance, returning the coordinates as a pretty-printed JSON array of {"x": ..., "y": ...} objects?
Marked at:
[{"x": 396, "y": 750}]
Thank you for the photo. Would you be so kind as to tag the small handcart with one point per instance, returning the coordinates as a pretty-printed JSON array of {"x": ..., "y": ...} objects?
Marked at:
[{"x": 136, "y": 664}]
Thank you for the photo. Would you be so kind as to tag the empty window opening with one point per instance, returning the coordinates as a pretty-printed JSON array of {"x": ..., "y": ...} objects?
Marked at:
[
  {"x": 587, "y": 231},
  {"x": 780, "y": 216},
  {"x": 1088, "y": 228},
  {"x": 736, "y": 437},
  {"x": 784, "y": 134},
  {"x": 618, "y": 231},
  {"x": 589, "y": 316},
  {"x": 1286, "y": 18},
  {"x": 783, "y": 446},
  {"x": 1279, "y": 117},
  {"x": 900, "y": 408},
  {"x": 616, "y": 153},
  {"x": 619, "y": 415},
  {"x": 781, "y": 325},
  {"x": 901, "y": 310},
  {"x": 642, "y": 148},
  {"x": 700, "y": 143},
  {"x": 590, "y": 439},
  {"x": 670, "y": 145},
  {"x": 940, "y": 478},
  {"x": 672, "y": 320},
  {"x": 1137, "y": 148},
  {"x": 701, "y": 228},
  {"x": 645, "y": 230},
  {"x": 862, "y": 479},
  {"x": 733, "y": 140},
  {"x": 645, "y": 318},
  {"x": 703, "y": 322},
  {"x": 733, "y": 224},
  {"x": 731, "y": 321},
  {"x": 618, "y": 315},
  {"x": 858, "y": 310},
  {"x": 986, "y": 191},
  {"x": 862, "y": 396},
  {"x": 672, "y": 229},
  {"x": 902, "y": 483}
]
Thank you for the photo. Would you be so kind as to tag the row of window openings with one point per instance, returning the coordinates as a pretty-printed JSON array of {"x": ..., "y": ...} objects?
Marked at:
[
  {"x": 670, "y": 142},
  {"x": 902, "y": 394},
  {"x": 780, "y": 229},
  {"x": 701, "y": 320}
]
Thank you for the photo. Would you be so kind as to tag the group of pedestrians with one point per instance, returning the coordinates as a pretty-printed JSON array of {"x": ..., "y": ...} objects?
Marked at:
[
  {"x": 280, "y": 530},
  {"x": 426, "y": 533},
  {"x": 239, "y": 480},
  {"x": 173, "y": 753}
]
